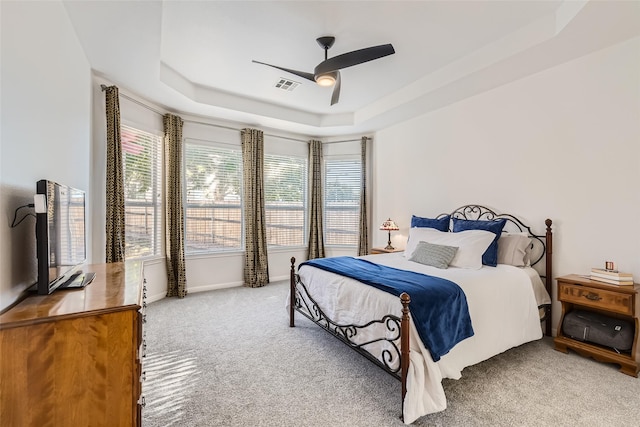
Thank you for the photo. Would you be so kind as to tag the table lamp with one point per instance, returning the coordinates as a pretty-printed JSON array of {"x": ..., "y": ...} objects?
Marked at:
[{"x": 389, "y": 226}]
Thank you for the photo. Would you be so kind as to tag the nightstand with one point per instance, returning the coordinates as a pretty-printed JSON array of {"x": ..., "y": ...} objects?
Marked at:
[
  {"x": 579, "y": 292},
  {"x": 374, "y": 251}
]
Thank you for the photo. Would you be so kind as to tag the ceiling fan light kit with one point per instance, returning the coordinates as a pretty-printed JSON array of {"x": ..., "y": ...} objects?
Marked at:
[
  {"x": 327, "y": 72},
  {"x": 328, "y": 79}
]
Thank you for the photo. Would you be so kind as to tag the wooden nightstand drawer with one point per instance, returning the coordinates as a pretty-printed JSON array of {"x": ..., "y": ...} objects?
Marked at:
[{"x": 596, "y": 298}]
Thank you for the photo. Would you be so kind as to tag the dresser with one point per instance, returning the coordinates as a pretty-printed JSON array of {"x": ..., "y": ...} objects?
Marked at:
[
  {"x": 578, "y": 292},
  {"x": 74, "y": 358}
]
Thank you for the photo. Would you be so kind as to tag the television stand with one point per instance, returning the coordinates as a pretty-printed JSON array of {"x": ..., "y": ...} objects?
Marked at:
[
  {"x": 75, "y": 358},
  {"x": 78, "y": 281}
]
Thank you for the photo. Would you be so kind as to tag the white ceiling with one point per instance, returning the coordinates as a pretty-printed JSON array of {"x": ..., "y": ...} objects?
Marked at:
[{"x": 195, "y": 57}]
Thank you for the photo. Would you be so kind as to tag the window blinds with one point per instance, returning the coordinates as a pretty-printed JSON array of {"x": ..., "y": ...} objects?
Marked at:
[
  {"x": 142, "y": 164},
  {"x": 285, "y": 186},
  {"x": 213, "y": 208},
  {"x": 342, "y": 184}
]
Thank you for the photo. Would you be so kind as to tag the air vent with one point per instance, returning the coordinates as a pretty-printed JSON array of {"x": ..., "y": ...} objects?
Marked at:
[{"x": 286, "y": 84}]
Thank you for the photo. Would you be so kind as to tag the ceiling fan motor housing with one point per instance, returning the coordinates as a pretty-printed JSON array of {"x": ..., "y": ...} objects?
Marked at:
[{"x": 326, "y": 42}]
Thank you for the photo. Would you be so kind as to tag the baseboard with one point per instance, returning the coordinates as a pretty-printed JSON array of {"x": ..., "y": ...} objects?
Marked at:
[
  {"x": 278, "y": 279},
  {"x": 154, "y": 298},
  {"x": 205, "y": 288}
]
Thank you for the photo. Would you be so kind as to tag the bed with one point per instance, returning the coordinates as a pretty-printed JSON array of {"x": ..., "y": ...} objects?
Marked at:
[{"x": 507, "y": 304}]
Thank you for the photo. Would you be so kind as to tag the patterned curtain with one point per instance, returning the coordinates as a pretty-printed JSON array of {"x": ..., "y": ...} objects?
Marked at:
[
  {"x": 256, "y": 268},
  {"x": 363, "y": 240},
  {"x": 174, "y": 217},
  {"x": 316, "y": 239},
  {"x": 115, "y": 179}
]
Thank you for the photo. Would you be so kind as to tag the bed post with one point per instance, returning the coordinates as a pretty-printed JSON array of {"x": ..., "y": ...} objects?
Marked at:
[
  {"x": 292, "y": 291},
  {"x": 404, "y": 344},
  {"x": 549, "y": 275}
]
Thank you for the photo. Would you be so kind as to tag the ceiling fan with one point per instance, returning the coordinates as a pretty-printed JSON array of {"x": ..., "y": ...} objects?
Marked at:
[{"x": 327, "y": 72}]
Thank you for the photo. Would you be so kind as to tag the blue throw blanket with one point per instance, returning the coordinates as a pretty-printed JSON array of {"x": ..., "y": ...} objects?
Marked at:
[{"x": 438, "y": 306}]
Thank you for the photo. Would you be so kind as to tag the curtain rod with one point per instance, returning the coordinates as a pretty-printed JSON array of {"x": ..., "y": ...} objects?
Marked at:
[
  {"x": 148, "y": 107},
  {"x": 239, "y": 129},
  {"x": 348, "y": 140},
  {"x": 142, "y": 104}
]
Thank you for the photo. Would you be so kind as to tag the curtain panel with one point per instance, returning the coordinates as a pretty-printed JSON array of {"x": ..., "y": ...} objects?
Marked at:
[
  {"x": 256, "y": 268},
  {"x": 174, "y": 216},
  {"x": 115, "y": 225},
  {"x": 316, "y": 205},
  {"x": 363, "y": 240}
]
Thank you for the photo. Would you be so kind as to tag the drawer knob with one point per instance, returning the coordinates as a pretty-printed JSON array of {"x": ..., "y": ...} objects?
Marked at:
[{"x": 593, "y": 297}]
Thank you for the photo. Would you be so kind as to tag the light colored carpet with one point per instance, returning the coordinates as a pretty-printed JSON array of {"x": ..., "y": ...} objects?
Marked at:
[{"x": 229, "y": 358}]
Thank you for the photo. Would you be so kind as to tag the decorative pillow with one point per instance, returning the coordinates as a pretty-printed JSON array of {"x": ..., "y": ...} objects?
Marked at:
[
  {"x": 471, "y": 244},
  {"x": 490, "y": 257},
  {"x": 439, "y": 256},
  {"x": 513, "y": 249},
  {"x": 441, "y": 224}
]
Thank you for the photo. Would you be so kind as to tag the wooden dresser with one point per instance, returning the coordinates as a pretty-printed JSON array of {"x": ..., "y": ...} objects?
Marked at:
[
  {"x": 578, "y": 292},
  {"x": 73, "y": 358}
]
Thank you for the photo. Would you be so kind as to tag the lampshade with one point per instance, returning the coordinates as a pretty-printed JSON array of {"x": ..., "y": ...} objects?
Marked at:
[
  {"x": 327, "y": 79},
  {"x": 389, "y": 225}
]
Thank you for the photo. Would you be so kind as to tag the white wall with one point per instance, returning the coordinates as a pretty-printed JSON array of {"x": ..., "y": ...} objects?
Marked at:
[
  {"x": 46, "y": 122},
  {"x": 561, "y": 144}
]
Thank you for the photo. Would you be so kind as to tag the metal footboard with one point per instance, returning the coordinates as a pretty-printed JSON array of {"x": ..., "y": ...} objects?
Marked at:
[{"x": 391, "y": 357}]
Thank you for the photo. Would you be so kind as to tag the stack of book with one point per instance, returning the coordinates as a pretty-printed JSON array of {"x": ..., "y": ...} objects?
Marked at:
[{"x": 613, "y": 277}]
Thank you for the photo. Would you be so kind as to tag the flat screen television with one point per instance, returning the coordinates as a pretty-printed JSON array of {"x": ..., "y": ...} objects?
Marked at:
[{"x": 60, "y": 235}]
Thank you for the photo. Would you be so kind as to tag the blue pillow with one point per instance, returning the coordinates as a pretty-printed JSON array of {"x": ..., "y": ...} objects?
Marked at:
[
  {"x": 440, "y": 224},
  {"x": 490, "y": 256}
]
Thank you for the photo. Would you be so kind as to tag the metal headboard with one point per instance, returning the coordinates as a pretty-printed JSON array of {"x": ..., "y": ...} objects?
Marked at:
[
  {"x": 513, "y": 224},
  {"x": 541, "y": 244}
]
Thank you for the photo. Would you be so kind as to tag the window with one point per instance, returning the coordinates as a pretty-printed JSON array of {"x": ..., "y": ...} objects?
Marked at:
[
  {"x": 285, "y": 186},
  {"x": 342, "y": 183},
  {"x": 142, "y": 164},
  {"x": 213, "y": 211}
]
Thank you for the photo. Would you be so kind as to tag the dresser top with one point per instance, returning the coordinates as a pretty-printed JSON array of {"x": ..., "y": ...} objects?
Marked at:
[{"x": 116, "y": 287}]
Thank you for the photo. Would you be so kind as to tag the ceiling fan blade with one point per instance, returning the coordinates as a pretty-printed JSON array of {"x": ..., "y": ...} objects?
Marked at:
[
  {"x": 302, "y": 74},
  {"x": 354, "y": 58},
  {"x": 335, "y": 96}
]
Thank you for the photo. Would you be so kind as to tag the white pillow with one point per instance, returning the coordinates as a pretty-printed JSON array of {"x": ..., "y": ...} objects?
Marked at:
[
  {"x": 513, "y": 249},
  {"x": 471, "y": 244}
]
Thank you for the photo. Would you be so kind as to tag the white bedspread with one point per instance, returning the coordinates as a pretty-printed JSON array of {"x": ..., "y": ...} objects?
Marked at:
[{"x": 503, "y": 304}]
